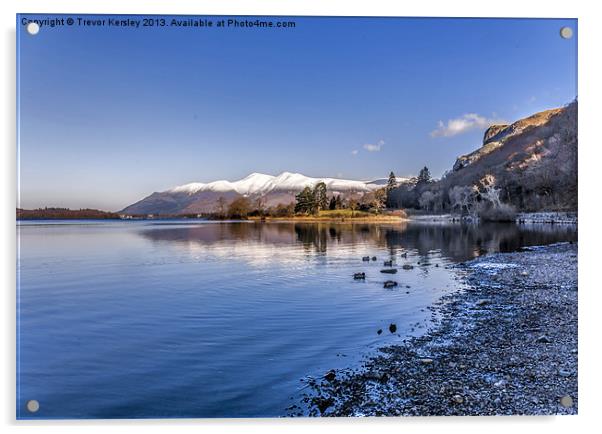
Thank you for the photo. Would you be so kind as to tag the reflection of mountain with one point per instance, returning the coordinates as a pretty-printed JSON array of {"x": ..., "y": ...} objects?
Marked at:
[{"x": 455, "y": 242}]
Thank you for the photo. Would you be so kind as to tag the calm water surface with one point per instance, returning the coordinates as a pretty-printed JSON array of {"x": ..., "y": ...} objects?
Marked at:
[{"x": 207, "y": 319}]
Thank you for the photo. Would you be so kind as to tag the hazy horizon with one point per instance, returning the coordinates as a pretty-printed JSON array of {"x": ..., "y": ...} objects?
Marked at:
[{"x": 108, "y": 116}]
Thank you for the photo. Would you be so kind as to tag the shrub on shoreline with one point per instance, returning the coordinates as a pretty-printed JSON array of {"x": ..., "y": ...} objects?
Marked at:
[{"x": 500, "y": 213}]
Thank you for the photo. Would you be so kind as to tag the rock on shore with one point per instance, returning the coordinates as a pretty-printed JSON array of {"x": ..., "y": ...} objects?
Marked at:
[{"x": 507, "y": 345}]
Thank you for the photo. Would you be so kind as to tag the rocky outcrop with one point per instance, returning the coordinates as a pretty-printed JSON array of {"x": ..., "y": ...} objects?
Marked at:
[
  {"x": 465, "y": 160},
  {"x": 494, "y": 132},
  {"x": 497, "y": 135}
]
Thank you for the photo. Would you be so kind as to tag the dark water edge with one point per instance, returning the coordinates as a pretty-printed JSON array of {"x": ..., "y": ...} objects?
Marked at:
[
  {"x": 506, "y": 345},
  {"x": 311, "y": 261}
]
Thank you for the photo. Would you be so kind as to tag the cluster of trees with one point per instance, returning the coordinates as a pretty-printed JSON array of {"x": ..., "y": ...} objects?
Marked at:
[
  {"x": 482, "y": 198},
  {"x": 312, "y": 200},
  {"x": 243, "y": 207},
  {"x": 409, "y": 194}
]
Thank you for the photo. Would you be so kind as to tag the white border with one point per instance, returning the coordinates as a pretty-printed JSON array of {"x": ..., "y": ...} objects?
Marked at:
[{"x": 590, "y": 138}]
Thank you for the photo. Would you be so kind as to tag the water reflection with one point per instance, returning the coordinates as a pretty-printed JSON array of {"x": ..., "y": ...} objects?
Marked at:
[{"x": 456, "y": 242}]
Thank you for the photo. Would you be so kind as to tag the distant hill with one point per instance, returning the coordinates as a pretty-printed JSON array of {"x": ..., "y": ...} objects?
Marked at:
[
  {"x": 63, "y": 213},
  {"x": 533, "y": 161},
  {"x": 201, "y": 198},
  {"x": 382, "y": 182}
]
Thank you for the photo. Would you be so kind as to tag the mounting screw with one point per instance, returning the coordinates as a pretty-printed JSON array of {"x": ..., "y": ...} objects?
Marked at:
[
  {"x": 33, "y": 28},
  {"x": 566, "y": 33},
  {"x": 33, "y": 405}
]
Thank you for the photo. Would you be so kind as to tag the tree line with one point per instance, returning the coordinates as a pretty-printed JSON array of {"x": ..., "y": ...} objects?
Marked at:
[
  {"x": 63, "y": 214},
  {"x": 482, "y": 198}
]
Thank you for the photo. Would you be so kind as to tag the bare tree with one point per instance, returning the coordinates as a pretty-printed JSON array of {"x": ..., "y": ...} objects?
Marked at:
[
  {"x": 488, "y": 191},
  {"x": 221, "y": 206},
  {"x": 239, "y": 208},
  {"x": 374, "y": 200},
  {"x": 353, "y": 205},
  {"x": 491, "y": 207},
  {"x": 260, "y": 205},
  {"x": 426, "y": 200},
  {"x": 380, "y": 199},
  {"x": 463, "y": 198}
]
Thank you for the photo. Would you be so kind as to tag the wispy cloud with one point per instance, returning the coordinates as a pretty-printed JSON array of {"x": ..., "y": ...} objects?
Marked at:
[
  {"x": 463, "y": 124},
  {"x": 374, "y": 147},
  {"x": 354, "y": 152}
]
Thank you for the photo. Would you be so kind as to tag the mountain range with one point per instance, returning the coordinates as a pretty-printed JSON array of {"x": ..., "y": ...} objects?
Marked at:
[{"x": 198, "y": 197}]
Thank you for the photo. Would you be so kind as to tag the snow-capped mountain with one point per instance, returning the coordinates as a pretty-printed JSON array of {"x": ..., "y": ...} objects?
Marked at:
[
  {"x": 260, "y": 184},
  {"x": 200, "y": 197}
]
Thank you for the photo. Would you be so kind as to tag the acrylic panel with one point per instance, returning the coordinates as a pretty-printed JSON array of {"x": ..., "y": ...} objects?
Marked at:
[{"x": 273, "y": 216}]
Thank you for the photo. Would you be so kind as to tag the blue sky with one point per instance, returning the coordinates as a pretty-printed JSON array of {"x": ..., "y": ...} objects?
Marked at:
[{"x": 109, "y": 115}]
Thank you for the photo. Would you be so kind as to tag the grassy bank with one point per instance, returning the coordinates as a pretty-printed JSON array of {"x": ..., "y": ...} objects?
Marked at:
[{"x": 344, "y": 215}]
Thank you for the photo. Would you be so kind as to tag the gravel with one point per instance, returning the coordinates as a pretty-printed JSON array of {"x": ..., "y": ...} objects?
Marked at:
[{"x": 505, "y": 345}]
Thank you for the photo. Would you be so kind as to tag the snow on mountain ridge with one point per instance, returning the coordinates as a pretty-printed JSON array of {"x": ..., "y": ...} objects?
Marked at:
[
  {"x": 384, "y": 181},
  {"x": 260, "y": 184}
]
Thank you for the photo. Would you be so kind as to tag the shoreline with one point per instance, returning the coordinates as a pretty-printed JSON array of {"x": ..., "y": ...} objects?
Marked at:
[
  {"x": 555, "y": 217},
  {"x": 504, "y": 345},
  {"x": 542, "y": 217},
  {"x": 375, "y": 219}
]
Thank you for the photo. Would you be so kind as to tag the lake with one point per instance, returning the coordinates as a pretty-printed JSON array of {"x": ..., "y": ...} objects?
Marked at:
[{"x": 191, "y": 318}]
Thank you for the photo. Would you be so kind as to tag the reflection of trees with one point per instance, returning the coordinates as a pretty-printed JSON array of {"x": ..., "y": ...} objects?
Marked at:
[
  {"x": 454, "y": 241},
  {"x": 461, "y": 242},
  {"x": 313, "y": 235}
]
